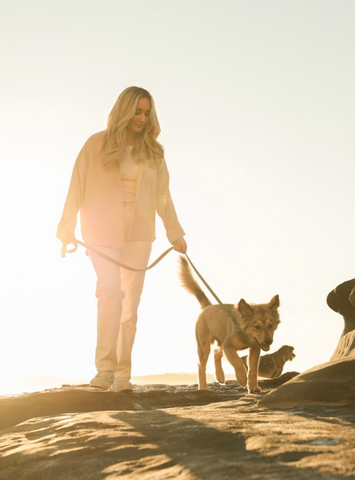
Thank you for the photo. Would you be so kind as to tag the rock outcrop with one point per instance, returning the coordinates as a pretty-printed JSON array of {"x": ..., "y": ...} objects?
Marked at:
[
  {"x": 332, "y": 383},
  {"x": 82, "y": 398},
  {"x": 339, "y": 301},
  {"x": 222, "y": 434}
]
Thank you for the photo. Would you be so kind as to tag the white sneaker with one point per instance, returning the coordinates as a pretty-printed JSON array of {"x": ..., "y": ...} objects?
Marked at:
[
  {"x": 102, "y": 380},
  {"x": 121, "y": 386}
]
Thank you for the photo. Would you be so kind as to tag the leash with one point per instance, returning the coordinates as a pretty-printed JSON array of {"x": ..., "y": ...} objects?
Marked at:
[
  {"x": 116, "y": 262},
  {"x": 228, "y": 312}
]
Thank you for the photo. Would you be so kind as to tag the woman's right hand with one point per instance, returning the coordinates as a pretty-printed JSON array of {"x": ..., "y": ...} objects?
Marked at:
[{"x": 180, "y": 245}]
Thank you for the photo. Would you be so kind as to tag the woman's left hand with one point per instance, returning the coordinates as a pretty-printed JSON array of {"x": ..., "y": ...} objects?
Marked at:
[{"x": 180, "y": 245}]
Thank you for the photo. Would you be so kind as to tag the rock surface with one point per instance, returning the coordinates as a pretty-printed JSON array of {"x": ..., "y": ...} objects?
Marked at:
[
  {"x": 332, "y": 383},
  {"x": 301, "y": 427},
  {"x": 82, "y": 398},
  {"x": 165, "y": 432}
]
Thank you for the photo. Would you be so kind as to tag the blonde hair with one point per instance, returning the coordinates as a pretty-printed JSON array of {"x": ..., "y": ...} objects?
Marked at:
[{"x": 146, "y": 147}]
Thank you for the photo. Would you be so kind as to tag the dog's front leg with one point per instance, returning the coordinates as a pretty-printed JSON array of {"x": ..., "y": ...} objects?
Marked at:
[
  {"x": 219, "y": 373},
  {"x": 203, "y": 354},
  {"x": 253, "y": 362},
  {"x": 237, "y": 363}
]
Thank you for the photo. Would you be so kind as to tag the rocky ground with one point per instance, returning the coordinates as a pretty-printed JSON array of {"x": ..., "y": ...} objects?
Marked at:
[
  {"x": 301, "y": 426},
  {"x": 174, "y": 432}
]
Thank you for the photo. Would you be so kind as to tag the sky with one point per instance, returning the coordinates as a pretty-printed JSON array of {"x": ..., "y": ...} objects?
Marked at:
[{"x": 256, "y": 103}]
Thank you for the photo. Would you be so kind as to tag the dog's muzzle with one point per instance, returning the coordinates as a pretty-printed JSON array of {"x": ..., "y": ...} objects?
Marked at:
[{"x": 265, "y": 346}]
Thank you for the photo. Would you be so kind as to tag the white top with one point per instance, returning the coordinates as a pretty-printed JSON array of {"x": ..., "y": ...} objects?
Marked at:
[{"x": 129, "y": 172}]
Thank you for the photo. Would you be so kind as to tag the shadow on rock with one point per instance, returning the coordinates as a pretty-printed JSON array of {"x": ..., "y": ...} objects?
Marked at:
[{"x": 215, "y": 441}]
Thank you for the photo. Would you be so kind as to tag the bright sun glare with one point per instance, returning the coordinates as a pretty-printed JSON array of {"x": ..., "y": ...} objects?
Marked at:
[{"x": 260, "y": 148}]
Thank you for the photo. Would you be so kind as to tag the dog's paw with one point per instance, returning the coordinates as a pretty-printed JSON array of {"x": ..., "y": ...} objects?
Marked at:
[
  {"x": 220, "y": 376},
  {"x": 254, "y": 389},
  {"x": 242, "y": 380},
  {"x": 204, "y": 388}
]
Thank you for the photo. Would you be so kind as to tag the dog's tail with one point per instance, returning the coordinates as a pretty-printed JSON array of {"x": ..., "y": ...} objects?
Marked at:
[{"x": 189, "y": 283}]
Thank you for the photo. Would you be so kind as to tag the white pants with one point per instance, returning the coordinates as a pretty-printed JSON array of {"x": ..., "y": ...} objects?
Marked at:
[{"x": 118, "y": 292}]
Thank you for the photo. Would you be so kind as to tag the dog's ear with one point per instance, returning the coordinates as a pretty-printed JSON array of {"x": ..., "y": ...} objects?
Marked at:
[
  {"x": 244, "y": 308},
  {"x": 274, "y": 303},
  {"x": 290, "y": 353}
]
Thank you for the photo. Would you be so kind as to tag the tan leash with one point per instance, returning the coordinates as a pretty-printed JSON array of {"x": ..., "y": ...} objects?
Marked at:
[
  {"x": 116, "y": 262},
  {"x": 228, "y": 312}
]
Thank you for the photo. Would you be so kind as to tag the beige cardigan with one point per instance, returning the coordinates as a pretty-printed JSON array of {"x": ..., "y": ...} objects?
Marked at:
[{"x": 96, "y": 192}]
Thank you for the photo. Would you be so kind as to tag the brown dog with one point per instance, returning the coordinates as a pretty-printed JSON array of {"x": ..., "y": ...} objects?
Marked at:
[
  {"x": 271, "y": 365},
  {"x": 253, "y": 327}
]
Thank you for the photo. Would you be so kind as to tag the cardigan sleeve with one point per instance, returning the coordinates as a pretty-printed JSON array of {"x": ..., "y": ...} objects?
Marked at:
[
  {"x": 165, "y": 206},
  {"x": 76, "y": 191}
]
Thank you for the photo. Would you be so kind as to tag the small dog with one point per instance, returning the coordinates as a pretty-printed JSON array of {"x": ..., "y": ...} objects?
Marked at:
[
  {"x": 271, "y": 365},
  {"x": 253, "y": 327}
]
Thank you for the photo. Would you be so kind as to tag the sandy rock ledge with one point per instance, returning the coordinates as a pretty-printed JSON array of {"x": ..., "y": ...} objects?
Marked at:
[{"x": 162, "y": 432}]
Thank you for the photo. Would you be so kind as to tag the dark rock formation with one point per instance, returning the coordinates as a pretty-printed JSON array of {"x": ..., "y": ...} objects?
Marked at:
[
  {"x": 339, "y": 301},
  {"x": 332, "y": 383}
]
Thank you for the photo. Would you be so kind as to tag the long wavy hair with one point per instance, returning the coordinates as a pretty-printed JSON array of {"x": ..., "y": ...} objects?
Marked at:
[{"x": 146, "y": 147}]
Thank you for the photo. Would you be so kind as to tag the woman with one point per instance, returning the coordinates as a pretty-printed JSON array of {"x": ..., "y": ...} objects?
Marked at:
[{"x": 119, "y": 181}]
